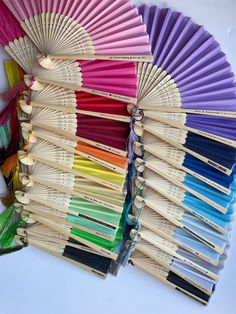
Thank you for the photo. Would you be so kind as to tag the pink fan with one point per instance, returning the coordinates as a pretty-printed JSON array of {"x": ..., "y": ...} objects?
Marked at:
[
  {"x": 88, "y": 29},
  {"x": 113, "y": 79},
  {"x": 15, "y": 40}
]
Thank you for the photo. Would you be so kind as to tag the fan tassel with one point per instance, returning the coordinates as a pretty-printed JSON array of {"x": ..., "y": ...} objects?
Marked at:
[
  {"x": 9, "y": 166},
  {"x": 7, "y": 200},
  {"x": 9, "y": 223}
]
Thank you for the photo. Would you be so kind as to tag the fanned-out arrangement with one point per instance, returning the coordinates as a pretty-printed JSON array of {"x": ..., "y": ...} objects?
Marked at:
[{"x": 118, "y": 146}]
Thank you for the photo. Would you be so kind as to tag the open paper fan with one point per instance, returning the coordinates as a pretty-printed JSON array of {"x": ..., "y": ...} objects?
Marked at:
[
  {"x": 15, "y": 41},
  {"x": 168, "y": 277},
  {"x": 53, "y": 155},
  {"x": 184, "y": 161},
  {"x": 102, "y": 157},
  {"x": 185, "y": 155},
  {"x": 189, "y": 70},
  {"x": 154, "y": 246},
  {"x": 70, "y": 101},
  {"x": 106, "y": 134},
  {"x": 101, "y": 246},
  {"x": 80, "y": 213},
  {"x": 111, "y": 79},
  {"x": 84, "y": 29},
  {"x": 70, "y": 183},
  {"x": 186, "y": 231},
  {"x": 55, "y": 243}
]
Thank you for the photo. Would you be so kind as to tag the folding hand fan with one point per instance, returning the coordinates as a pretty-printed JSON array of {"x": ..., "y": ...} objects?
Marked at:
[
  {"x": 196, "y": 226},
  {"x": 55, "y": 156},
  {"x": 103, "y": 133},
  {"x": 186, "y": 162},
  {"x": 103, "y": 247},
  {"x": 101, "y": 156},
  {"x": 66, "y": 100},
  {"x": 15, "y": 41},
  {"x": 179, "y": 261},
  {"x": 61, "y": 246},
  {"x": 84, "y": 29},
  {"x": 111, "y": 79},
  {"x": 189, "y": 70},
  {"x": 72, "y": 184},
  {"x": 185, "y": 189},
  {"x": 168, "y": 277},
  {"x": 80, "y": 213},
  {"x": 182, "y": 233}
]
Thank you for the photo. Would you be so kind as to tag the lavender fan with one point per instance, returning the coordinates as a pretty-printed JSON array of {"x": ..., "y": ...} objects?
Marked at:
[{"x": 188, "y": 93}]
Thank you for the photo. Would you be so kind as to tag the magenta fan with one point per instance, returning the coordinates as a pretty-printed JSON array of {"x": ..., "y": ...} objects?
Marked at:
[
  {"x": 113, "y": 79},
  {"x": 15, "y": 41},
  {"x": 85, "y": 29}
]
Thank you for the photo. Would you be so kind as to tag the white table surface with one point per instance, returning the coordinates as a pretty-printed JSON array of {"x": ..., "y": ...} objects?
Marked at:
[{"x": 32, "y": 282}]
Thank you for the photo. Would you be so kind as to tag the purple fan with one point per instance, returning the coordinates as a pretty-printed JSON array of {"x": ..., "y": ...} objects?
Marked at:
[
  {"x": 190, "y": 84},
  {"x": 189, "y": 72}
]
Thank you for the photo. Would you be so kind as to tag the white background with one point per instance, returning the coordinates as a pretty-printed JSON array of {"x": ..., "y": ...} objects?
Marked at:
[{"x": 32, "y": 282}]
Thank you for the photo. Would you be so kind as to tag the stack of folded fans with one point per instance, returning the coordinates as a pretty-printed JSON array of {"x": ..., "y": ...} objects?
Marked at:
[{"x": 127, "y": 140}]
